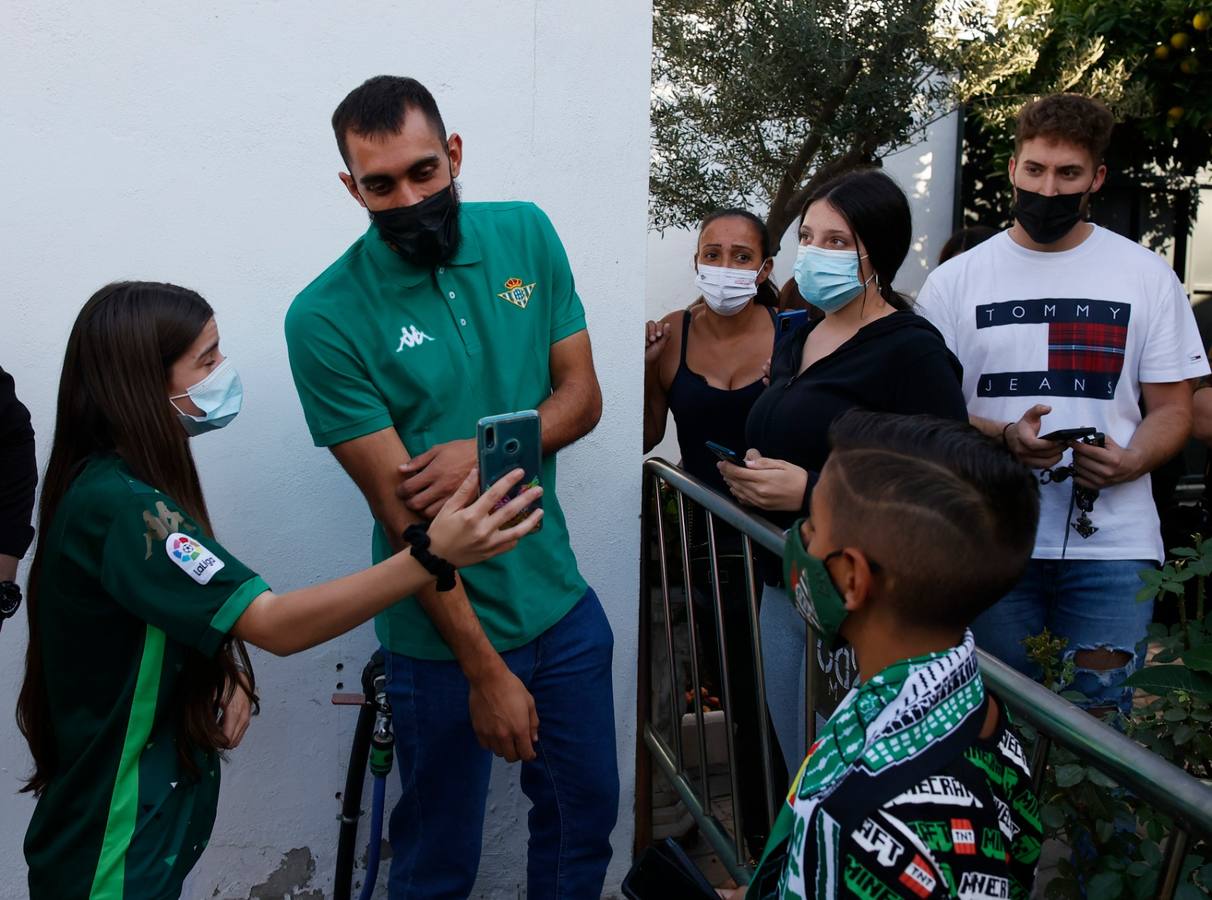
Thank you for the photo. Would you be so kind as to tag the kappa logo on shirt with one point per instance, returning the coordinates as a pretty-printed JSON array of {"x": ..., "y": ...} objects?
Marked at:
[
  {"x": 192, "y": 558},
  {"x": 411, "y": 336}
]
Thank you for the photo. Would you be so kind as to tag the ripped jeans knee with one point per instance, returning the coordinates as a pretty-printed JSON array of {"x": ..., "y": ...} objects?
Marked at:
[{"x": 1099, "y": 674}]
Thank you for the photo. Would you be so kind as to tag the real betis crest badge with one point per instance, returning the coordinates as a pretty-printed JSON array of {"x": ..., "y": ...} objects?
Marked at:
[{"x": 517, "y": 293}]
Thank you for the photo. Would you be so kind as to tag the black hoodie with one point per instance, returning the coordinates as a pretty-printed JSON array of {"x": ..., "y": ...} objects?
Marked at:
[{"x": 896, "y": 364}]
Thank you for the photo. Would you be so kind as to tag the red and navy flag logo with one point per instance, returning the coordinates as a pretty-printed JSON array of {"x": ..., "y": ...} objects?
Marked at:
[{"x": 1085, "y": 345}]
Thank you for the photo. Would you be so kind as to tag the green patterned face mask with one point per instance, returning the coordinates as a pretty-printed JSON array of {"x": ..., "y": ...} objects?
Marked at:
[{"x": 812, "y": 589}]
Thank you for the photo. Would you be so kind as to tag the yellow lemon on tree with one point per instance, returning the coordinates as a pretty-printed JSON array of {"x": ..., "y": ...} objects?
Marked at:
[
  {"x": 1190, "y": 65},
  {"x": 1161, "y": 51},
  {"x": 1180, "y": 40},
  {"x": 1202, "y": 20},
  {"x": 1174, "y": 114}
]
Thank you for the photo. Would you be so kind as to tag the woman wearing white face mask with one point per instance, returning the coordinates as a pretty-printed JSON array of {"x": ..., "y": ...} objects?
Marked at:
[
  {"x": 704, "y": 364},
  {"x": 136, "y": 679},
  {"x": 870, "y": 351}
]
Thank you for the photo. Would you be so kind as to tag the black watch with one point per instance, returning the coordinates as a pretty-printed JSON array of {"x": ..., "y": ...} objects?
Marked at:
[{"x": 10, "y": 599}]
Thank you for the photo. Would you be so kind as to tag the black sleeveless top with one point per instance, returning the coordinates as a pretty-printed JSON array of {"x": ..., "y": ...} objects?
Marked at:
[{"x": 705, "y": 413}]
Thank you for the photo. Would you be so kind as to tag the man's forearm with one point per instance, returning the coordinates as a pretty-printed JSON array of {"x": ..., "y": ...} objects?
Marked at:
[
  {"x": 570, "y": 413},
  {"x": 991, "y": 427},
  {"x": 1160, "y": 435},
  {"x": 452, "y": 616},
  {"x": 460, "y": 627}
]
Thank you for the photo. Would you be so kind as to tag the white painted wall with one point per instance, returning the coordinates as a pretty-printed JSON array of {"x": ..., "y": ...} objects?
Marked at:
[
  {"x": 925, "y": 171},
  {"x": 190, "y": 142}
]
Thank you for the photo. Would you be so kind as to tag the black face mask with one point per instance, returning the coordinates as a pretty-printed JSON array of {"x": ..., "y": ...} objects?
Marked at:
[
  {"x": 426, "y": 233},
  {"x": 1047, "y": 219}
]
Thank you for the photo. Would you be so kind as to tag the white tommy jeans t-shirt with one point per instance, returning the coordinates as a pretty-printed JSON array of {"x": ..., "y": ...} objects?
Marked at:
[{"x": 1079, "y": 331}]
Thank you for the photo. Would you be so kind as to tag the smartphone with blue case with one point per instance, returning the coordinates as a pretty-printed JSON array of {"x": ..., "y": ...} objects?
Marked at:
[
  {"x": 726, "y": 454},
  {"x": 507, "y": 442},
  {"x": 791, "y": 320}
]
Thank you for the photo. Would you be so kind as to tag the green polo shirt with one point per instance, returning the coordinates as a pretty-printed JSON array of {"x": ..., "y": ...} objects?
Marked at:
[
  {"x": 129, "y": 586},
  {"x": 376, "y": 342}
]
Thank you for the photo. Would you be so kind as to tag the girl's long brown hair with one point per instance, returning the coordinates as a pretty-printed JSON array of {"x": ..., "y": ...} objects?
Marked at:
[{"x": 113, "y": 399}]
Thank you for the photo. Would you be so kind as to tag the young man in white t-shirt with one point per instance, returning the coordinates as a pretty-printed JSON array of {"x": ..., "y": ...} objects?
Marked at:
[{"x": 1061, "y": 324}]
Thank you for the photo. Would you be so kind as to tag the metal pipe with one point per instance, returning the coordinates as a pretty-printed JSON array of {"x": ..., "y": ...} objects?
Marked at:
[
  {"x": 1151, "y": 778},
  {"x": 696, "y": 684},
  {"x": 1144, "y": 773},
  {"x": 708, "y": 827},
  {"x": 1176, "y": 852},
  {"x": 756, "y": 527},
  {"x": 809, "y": 687},
  {"x": 755, "y": 633},
  {"x": 1147, "y": 775},
  {"x": 642, "y": 835},
  {"x": 675, "y": 694},
  {"x": 1039, "y": 761},
  {"x": 738, "y": 824},
  {"x": 813, "y": 674}
]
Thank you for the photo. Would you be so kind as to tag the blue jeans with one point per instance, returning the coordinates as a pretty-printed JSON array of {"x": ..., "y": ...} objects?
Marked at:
[
  {"x": 783, "y": 659},
  {"x": 1092, "y": 602},
  {"x": 437, "y": 827}
]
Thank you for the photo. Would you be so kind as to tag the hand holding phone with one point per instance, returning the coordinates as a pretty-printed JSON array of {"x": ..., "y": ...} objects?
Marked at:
[
  {"x": 725, "y": 454},
  {"x": 507, "y": 442},
  {"x": 1064, "y": 435}
]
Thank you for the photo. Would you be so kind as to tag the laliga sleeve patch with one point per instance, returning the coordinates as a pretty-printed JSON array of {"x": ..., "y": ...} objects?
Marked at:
[{"x": 193, "y": 559}]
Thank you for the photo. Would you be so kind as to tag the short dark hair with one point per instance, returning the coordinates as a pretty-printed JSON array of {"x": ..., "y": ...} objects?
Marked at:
[
  {"x": 767, "y": 295},
  {"x": 945, "y": 511},
  {"x": 1071, "y": 118},
  {"x": 379, "y": 105},
  {"x": 877, "y": 210},
  {"x": 965, "y": 239}
]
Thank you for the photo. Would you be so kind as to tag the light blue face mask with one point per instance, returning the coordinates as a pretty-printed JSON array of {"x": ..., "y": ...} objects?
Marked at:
[
  {"x": 219, "y": 395},
  {"x": 828, "y": 279}
]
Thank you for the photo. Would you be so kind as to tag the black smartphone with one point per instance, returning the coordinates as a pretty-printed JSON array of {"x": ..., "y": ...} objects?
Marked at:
[
  {"x": 790, "y": 320},
  {"x": 507, "y": 442},
  {"x": 664, "y": 871},
  {"x": 1068, "y": 434},
  {"x": 729, "y": 456}
]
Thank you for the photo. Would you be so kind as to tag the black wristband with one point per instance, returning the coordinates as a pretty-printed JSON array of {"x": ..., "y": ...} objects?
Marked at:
[{"x": 417, "y": 536}]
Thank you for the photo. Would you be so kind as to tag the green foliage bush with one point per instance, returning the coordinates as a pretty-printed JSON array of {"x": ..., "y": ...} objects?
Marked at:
[{"x": 1115, "y": 839}]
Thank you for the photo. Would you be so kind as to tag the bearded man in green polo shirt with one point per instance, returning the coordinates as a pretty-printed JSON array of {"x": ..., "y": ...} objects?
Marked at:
[{"x": 440, "y": 314}]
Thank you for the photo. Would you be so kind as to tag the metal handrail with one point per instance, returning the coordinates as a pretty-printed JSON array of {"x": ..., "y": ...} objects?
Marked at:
[{"x": 1147, "y": 775}]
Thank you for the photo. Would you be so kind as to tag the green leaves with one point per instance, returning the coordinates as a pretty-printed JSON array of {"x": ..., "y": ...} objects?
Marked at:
[
  {"x": 753, "y": 99},
  {"x": 1118, "y": 839},
  {"x": 1200, "y": 658},
  {"x": 1106, "y": 884},
  {"x": 1068, "y": 776},
  {"x": 1170, "y": 678}
]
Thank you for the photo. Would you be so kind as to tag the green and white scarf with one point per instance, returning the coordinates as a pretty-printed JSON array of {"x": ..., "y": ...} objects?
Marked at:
[{"x": 889, "y": 728}]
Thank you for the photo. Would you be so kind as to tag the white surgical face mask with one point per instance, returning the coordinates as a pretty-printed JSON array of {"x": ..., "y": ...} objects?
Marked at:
[
  {"x": 727, "y": 291},
  {"x": 219, "y": 395}
]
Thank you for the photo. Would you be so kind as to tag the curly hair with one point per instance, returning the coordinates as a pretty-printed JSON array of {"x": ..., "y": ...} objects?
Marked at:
[{"x": 1072, "y": 118}]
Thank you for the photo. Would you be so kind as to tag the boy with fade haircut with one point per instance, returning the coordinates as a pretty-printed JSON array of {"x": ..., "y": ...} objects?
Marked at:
[
  {"x": 916, "y": 788},
  {"x": 1061, "y": 324}
]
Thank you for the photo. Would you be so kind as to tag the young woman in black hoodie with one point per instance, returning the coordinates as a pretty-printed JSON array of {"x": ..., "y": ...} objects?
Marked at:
[{"x": 870, "y": 351}]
